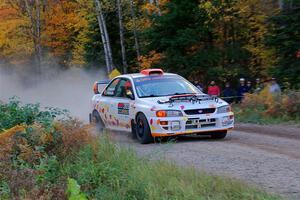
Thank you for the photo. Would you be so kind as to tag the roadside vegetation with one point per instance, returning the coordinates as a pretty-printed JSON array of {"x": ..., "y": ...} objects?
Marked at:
[
  {"x": 265, "y": 108},
  {"x": 48, "y": 155}
]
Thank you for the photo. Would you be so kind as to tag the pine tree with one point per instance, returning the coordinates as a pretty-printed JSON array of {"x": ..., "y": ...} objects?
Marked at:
[{"x": 285, "y": 39}]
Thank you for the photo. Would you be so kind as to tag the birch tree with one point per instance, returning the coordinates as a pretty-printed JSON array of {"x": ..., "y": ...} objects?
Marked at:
[
  {"x": 135, "y": 34},
  {"x": 104, "y": 36},
  {"x": 121, "y": 30}
]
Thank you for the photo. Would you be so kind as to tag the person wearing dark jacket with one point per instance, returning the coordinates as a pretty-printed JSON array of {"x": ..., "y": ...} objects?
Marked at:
[
  {"x": 241, "y": 90},
  {"x": 228, "y": 93}
]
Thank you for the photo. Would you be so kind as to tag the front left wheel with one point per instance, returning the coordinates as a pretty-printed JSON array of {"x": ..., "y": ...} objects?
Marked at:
[{"x": 143, "y": 132}]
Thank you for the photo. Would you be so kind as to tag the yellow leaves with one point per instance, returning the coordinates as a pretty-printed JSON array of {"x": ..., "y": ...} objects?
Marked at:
[
  {"x": 150, "y": 8},
  {"x": 66, "y": 29},
  {"x": 147, "y": 61},
  {"x": 14, "y": 41},
  {"x": 8, "y": 134},
  {"x": 6, "y": 140}
]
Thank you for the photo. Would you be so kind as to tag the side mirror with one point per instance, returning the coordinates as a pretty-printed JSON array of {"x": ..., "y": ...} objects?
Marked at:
[{"x": 129, "y": 94}]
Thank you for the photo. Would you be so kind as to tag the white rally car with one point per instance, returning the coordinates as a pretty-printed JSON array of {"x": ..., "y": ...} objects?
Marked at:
[{"x": 157, "y": 104}]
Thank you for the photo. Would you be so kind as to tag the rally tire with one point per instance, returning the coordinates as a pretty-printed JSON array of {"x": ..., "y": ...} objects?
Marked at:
[
  {"x": 133, "y": 129},
  {"x": 219, "y": 135},
  {"x": 143, "y": 132},
  {"x": 96, "y": 119}
]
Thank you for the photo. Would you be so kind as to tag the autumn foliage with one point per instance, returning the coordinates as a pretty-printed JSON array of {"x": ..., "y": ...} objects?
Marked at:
[
  {"x": 150, "y": 60},
  {"x": 285, "y": 107},
  {"x": 28, "y": 148}
]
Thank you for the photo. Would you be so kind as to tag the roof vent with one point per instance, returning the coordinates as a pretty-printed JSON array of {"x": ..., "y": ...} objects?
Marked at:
[{"x": 149, "y": 72}]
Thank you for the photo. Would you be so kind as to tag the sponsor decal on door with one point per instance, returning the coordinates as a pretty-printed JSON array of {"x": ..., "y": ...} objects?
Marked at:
[{"x": 123, "y": 108}]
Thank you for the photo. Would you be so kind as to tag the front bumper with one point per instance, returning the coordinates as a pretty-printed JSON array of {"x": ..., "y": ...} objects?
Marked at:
[{"x": 203, "y": 124}]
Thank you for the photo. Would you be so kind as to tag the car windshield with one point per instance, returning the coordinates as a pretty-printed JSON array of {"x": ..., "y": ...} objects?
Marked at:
[{"x": 166, "y": 85}]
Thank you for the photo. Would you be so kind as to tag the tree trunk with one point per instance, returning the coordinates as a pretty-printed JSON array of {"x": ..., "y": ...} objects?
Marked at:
[
  {"x": 98, "y": 13},
  {"x": 121, "y": 28},
  {"x": 35, "y": 20},
  {"x": 38, "y": 36},
  {"x": 156, "y": 4},
  {"x": 104, "y": 37},
  {"x": 135, "y": 34}
]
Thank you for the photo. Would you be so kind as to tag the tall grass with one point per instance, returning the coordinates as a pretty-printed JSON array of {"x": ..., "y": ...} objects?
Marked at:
[{"x": 109, "y": 172}]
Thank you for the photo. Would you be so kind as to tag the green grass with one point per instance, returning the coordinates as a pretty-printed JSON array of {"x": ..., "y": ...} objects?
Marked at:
[{"x": 117, "y": 173}]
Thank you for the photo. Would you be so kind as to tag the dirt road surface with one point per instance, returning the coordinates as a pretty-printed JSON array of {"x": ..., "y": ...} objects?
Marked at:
[{"x": 259, "y": 156}]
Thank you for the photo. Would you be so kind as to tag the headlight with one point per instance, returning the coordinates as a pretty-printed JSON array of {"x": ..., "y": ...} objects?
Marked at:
[
  {"x": 168, "y": 113},
  {"x": 224, "y": 109}
]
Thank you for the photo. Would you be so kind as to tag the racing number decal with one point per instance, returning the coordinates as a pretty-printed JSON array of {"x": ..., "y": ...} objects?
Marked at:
[{"x": 123, "y": 108}]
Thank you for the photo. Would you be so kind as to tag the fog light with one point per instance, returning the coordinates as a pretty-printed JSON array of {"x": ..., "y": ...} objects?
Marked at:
[
  {"x": 175, "y": 125},
  {"x": 164, "y": 123},
  {"x": 227, "y": 120}
]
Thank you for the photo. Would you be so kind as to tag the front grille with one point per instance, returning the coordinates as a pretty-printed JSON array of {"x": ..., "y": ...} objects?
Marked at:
[{"x": 200, "y": 111}]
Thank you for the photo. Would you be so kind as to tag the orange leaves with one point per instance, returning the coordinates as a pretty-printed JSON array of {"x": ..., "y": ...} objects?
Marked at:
[
  {"x": 273, "y": 106},
  {"x": 6, "y": 13},
  {"x": 14, "y": 28},
  {"x": 62, "y": 22},
  {"x": 74, "y": 135},
  {"x": 148, "y": 61}
]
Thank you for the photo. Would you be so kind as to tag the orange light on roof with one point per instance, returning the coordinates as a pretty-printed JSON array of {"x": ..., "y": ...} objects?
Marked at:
[
  {"x": 161, "y": 113},
  {"x": 149, "y": 72},
  {"x": 95, "y": 88}
]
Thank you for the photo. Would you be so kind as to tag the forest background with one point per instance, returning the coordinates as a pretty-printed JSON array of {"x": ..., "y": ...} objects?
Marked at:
[{"x": 220, "y": 40}]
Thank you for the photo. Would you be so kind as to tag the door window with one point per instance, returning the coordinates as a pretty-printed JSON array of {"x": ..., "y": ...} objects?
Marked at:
[
  {"x": 111, "y": 88},
  {"x": 122, "y": 87}
]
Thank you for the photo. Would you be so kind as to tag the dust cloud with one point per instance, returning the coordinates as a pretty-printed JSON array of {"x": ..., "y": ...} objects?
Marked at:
[{"x": 68, "y": 89}]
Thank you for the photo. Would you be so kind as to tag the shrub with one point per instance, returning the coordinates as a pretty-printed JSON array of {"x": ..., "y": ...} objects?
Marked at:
[
  {"x": 13, "y": 113},
  {"x": 33, "y": 146},
  {"x": 263, "y": 106}
]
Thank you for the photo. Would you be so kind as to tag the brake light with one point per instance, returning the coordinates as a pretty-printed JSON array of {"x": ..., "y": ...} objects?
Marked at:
[
  {"x": 95, "y": 88},
  {"x": 149, "y": 72},
  {"x": 161, "y": 113}
]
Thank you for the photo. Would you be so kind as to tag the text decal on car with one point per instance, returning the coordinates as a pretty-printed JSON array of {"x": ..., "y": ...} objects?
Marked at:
[{"x": 123, "y": 108}]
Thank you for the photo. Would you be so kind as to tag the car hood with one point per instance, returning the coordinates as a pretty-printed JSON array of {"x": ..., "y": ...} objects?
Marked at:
[{"x": 181, "y": 105}]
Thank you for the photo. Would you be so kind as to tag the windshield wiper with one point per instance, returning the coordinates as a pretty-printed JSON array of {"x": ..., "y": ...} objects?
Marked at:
[
  {"x": 151, "y": 95},
  {"x": 180, "y": 93}
]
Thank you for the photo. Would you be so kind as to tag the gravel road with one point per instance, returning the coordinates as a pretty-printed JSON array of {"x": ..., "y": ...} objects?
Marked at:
[{"x": 256, "y": 156}]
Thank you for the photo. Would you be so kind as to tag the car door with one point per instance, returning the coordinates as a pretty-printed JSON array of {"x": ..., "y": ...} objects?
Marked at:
[
  {"x": 122, "y": 105},
  {"x": 106, "y": 106}
]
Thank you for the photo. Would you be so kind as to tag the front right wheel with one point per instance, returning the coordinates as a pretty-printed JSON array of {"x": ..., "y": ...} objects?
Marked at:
[{"x": 143, "y": 132}]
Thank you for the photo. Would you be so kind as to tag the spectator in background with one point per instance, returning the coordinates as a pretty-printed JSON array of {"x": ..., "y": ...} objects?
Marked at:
[
  {"x": 213, "y": 89},
  {"x": 241, "y": 90},
  {"x": 274, "y": 87},
  {"x": 249, "y": 87},
  {"x": 228, "y": 93},
  {"x": 198, "y": 85},
  {"x": 258, "y": 86}
]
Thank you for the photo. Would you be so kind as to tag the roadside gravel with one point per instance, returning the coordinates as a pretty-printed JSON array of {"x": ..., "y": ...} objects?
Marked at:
[{"x": 271, "y": 162}]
